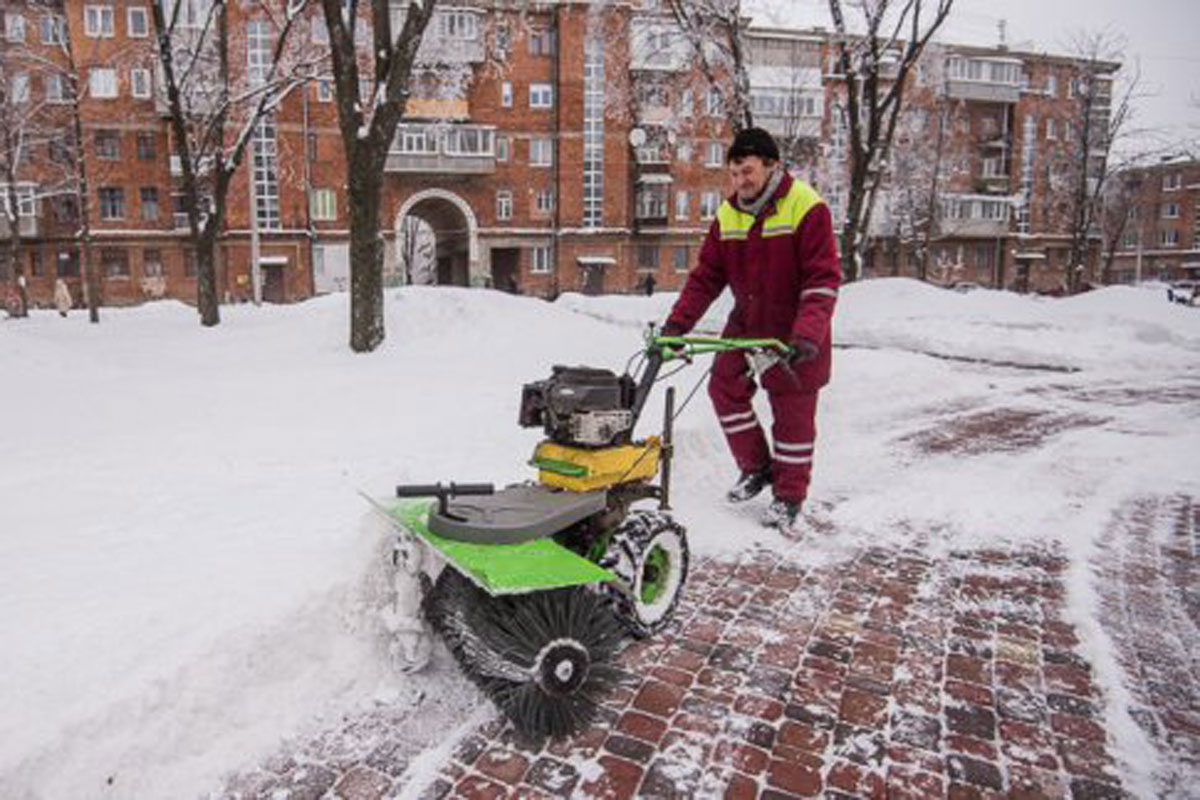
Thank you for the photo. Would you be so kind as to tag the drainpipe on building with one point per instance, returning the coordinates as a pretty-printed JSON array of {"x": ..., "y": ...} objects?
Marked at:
[
  {"x": 308, "y": 189},
  {"x": 255, "y": 281},
  {"x": 555, "y": 218}
]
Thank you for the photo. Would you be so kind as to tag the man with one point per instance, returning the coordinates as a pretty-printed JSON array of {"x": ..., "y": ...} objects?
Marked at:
[{"x": 772, "y": 244}]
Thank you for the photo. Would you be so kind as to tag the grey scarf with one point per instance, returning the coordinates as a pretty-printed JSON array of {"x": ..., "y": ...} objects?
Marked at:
[{"x": 757, "y": 204}]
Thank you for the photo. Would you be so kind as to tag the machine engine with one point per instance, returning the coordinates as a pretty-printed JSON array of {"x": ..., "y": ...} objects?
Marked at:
[{"x": 580, "y": 406}]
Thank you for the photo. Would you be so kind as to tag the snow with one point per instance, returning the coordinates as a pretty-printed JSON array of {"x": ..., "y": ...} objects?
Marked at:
[{"x": 188, "y": 576}]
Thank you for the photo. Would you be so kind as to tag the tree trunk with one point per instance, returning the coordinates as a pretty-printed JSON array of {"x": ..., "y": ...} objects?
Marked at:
[{"x": 366, "y": 257}]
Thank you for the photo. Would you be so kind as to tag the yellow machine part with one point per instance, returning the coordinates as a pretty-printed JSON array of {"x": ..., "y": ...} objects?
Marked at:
[{"x": 581, "y": 469}]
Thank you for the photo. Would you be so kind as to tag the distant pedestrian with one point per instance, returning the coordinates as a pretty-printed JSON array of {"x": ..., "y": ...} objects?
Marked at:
[
  {"x": 648, "y": 285},
  {"x": 62, "y": 297}
]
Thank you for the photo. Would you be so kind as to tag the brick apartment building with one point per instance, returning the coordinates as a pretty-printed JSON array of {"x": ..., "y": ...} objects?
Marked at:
[
  {"x": 584, "y": 152},
  {"x": 1159, "y": 236}
]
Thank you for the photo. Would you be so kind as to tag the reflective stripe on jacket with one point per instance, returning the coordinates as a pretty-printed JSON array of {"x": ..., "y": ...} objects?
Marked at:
[{"x": 782, "y": 267}]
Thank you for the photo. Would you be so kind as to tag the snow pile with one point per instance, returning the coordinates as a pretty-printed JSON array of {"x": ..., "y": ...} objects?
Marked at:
[{"x": 188, "y": 574}]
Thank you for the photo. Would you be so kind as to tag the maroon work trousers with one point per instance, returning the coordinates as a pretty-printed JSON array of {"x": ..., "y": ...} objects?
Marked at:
[{"x": 793, "y": 428}]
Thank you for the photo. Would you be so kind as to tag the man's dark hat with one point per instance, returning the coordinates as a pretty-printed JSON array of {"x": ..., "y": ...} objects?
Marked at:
[{"x": 753, "y": 142}]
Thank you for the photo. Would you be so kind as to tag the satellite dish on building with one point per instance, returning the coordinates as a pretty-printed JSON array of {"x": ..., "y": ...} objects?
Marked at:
[{"x": 637, "y": 137}]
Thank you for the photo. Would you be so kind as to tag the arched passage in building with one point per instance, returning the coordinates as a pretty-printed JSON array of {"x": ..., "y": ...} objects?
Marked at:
[{"x": 452, "y": 257}]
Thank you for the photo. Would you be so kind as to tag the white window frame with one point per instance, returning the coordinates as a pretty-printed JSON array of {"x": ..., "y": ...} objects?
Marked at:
[
  {"x": 18, "y": 88},
  {"x": 140, "y": 85},
  {"x": 710, "y": 201},
  {"x": 540, "y": 260},
  {"x": 713, "y": 154},
  {"x": 14, "y": 27},
  {"x": 324, "y": 205},
  {"x": 713, "y": 107},
  {"x": 541, "y": 95},
  {"x": 683, "y": 205},
  {"x": 1171, "y": 181},
  {"x": 132, "y": 13},
  {"x": 506, "y": 94},
  {"x": 1051, "y": 86},
  {"x": 502, "y": 148},
  {"x": 115, "y": 193},
  {"x": 144, "y": 207},
  {"x": 459, "y": 26},
  {"x": 1051, "y": 135},
  {"x": 675, "y": 266},
  {"x": 1168, "y": 238},
  {"x": 1170, "y": 210},
  {"x": 541, "y": 152},
  {"x": 56, "y": 95},
  {"x": 99, "y": 22},
  {"x": 684, "y": 151},
  {"x": 504, "y": 205},
  {"x": 324, "y": 90},
  {"x": 102, "y": 83},
  {"x": 543, "y": 202},
  {"x": 52, "y": 24}
]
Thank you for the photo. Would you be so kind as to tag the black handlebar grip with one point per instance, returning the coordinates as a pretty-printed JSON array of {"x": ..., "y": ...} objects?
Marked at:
[
  {"x": 461, "y": 489},
  {"x": 419, "y": 490}
]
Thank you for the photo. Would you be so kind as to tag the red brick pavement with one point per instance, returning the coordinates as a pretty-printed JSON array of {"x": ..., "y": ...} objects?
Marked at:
[{"x": 888, "y": 676}]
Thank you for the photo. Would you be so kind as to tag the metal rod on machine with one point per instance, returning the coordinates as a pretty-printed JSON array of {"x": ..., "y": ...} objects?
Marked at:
[{"x": 668, "y": 450}]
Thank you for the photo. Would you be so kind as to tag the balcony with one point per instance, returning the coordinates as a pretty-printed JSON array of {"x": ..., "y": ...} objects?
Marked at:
[
  {"x": 443, "y": 149},
  {"x": 974, "y": 215},
  {"x": 989, "y": 80},
  {"x": 27, "y": 225}
]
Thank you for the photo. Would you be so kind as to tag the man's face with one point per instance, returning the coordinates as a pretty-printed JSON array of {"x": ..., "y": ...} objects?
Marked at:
[{"x": 749, "y": 176}]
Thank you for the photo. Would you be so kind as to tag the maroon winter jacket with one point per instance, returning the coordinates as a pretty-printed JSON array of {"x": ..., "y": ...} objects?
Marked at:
[{"x": 782, "y": 267}]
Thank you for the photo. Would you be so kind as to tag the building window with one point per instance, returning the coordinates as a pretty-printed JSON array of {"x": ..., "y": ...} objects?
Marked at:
[
  {"x": 541, "y": 95},
  {"x": 679, "y": 259},
  {"x": 541, "y": 260},
  {"x": 14, "y": 27},
  {"x": 708, "y": 204},
  {"x": 68, "y": 264},
  {"x": 152, "y": 263},
  {"x": 102, "y": 82},
  {"x": 107, "y": 144},
  {"x": 1171, "y": 181},
  {"x": 712, "y": 154},
  {"x": 652, "y": 201},
  {"x": 713, "y": 106},
  {"x": 98, "y": 22},
  {"x": 137, "y": 20},
  {"x": 139, "y": 83},
  {"x": 145, "y": 146},
  {"x": 258, "y": 52},
  {"x": 683, "y": 151},
  {"x": 266, "y": 183},
  {"x": 506, "y": 94},
  {"x": 64, "y": 208},
  {"x": 1170, "y": 211},
  {"x": 18, "y": 88},
  {"x": 647, "y": 257},
  {"x": 114, "y": 262},
  {"x": 1168, "y": 238},
  {"x": 593, "y": 132},
  {"x": 543, "y": 202},
  {"x": 416, "y": 140},
  {"x": 541, "y": 42},
  {"x": 502, "y": 148},
  {"x": 683, "y": 205},
  {"x": 504, "y": 205},
  {"x": 687, "y": 104},
  {"x": 1051, "y": 86},
  {"x": 1068, "y": 131},
  {"x": 52, "y": 87},
  {"x": 1050, "y": 133},
  {"x": 112, "y": 202},
  {"x": 324, "y": 91},
  {"x": 324, "y": 205},
  {"x": 148, "y": 203},
  {"x": 462, "y": 26},
  {"x": 541, "y": 152},
  {"x": 53, "y": 29}
]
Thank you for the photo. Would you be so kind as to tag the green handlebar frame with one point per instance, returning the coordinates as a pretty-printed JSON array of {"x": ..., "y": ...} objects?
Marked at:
[{"x": 672, "y": 347}]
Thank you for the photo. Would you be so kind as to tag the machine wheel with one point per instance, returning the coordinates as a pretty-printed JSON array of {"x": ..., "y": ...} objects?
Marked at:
[
  {"x": 545, "y": 658},
  {"x": 648, "y": 553}
]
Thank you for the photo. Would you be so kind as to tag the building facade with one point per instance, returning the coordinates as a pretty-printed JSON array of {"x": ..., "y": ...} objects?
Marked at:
[
  {"x": 555, "y": 146},
  {"x": 1154, "y": 230}
]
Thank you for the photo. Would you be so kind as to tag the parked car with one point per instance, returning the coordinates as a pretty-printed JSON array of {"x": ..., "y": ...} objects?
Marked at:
[
  {"x": 964, "y": 286},
  {"x": 1184, "y": 292}
]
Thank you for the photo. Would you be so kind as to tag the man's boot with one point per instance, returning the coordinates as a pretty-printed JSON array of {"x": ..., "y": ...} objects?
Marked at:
[
  {"x": 781, "y": 514},
  {"x": 749, "y": 485}
]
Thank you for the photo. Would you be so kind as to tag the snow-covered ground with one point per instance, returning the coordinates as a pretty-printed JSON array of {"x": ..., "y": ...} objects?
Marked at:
[{"x": 187, "y": 573}]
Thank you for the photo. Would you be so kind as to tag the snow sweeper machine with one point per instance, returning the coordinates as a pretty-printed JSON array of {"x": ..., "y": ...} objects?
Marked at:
[{"x": 532, "y": 587}]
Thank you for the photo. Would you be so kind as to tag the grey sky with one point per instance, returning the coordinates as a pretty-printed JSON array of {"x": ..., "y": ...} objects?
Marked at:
[{"x": 1163, "y": 37}]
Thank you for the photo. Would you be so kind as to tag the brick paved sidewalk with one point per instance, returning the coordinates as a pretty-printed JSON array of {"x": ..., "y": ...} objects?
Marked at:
[{"x": 891, "y": 675}]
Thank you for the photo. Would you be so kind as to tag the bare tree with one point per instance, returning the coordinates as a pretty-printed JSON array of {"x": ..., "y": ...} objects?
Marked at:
[
  {"x": 367, "y": 130},
  {"x": 875, "y": 67},
  {"x": 206, "y": 99},
  {"x": 716, "y": 32},
  {"x": 1101, "y": 120}
]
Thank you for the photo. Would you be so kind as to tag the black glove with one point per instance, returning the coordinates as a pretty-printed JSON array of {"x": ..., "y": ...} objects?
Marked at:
[{"x": 803, "y": 350}]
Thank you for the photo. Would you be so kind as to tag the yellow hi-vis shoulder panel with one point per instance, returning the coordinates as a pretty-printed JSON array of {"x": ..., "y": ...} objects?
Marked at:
[
  {"x": 789, "y": 213},
  {"x": 791, "y": 210}
]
